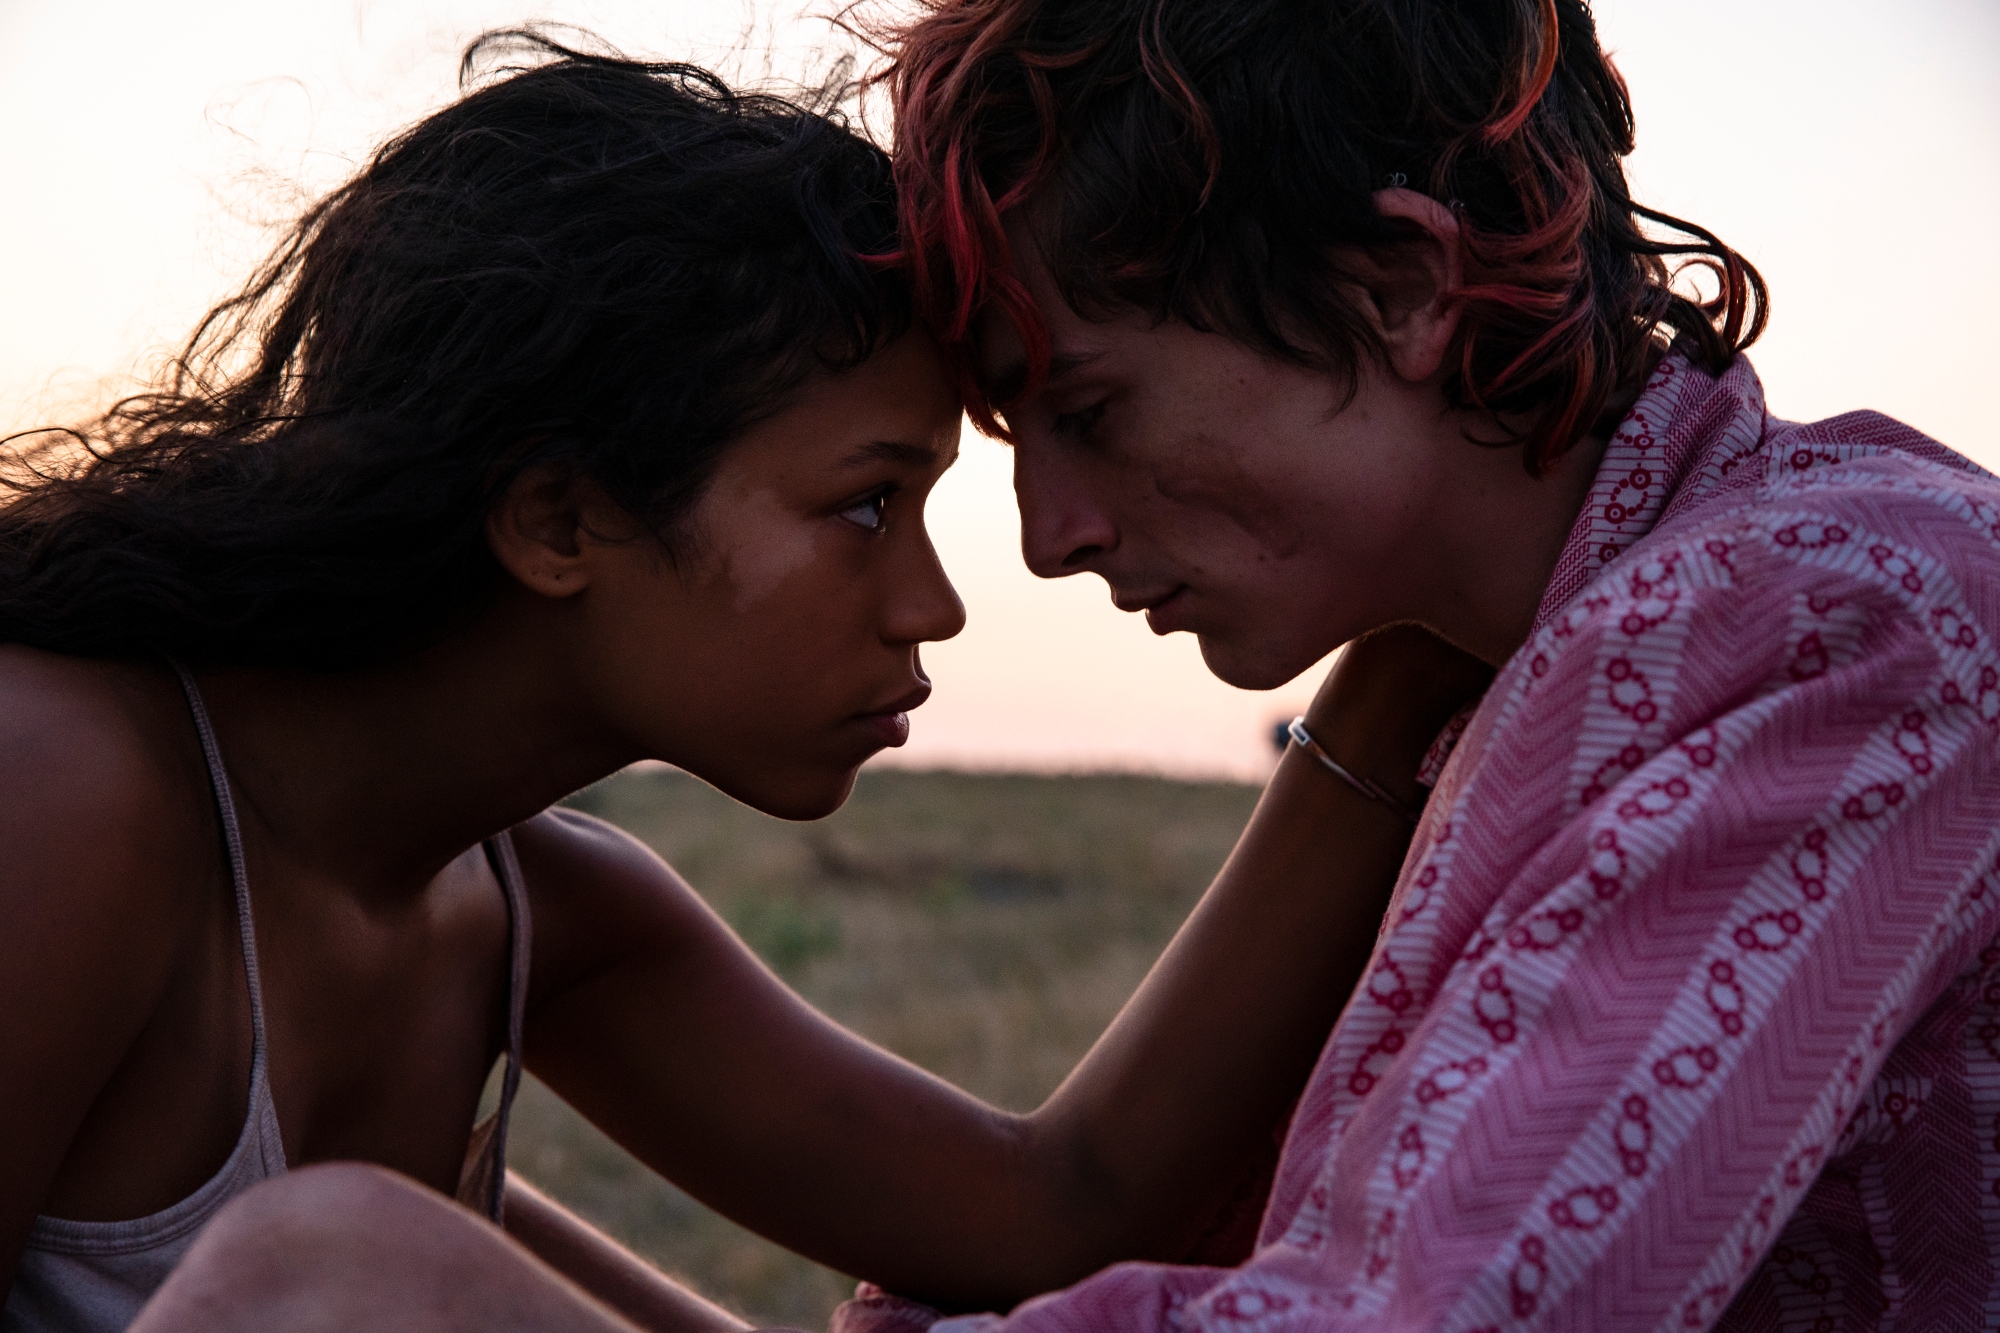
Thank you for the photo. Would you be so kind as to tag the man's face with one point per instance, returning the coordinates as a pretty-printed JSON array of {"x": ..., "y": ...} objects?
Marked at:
[{"x": 1218, "y": 490}]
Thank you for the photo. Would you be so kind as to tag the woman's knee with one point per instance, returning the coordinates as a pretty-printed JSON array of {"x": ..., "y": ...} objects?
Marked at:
[
  {"x": 337, "y": 1204},
  {"x": 303, "y": 1249}
]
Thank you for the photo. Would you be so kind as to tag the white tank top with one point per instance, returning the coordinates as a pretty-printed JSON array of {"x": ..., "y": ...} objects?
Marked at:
[{"x": 92, "y": 1277}]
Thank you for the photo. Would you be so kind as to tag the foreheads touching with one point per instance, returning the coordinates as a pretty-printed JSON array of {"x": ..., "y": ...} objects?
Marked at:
[{"x": 1222, "y": 164}]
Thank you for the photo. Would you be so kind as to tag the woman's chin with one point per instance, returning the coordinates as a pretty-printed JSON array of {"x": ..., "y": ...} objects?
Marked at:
[{"x": 797, "y": 796}]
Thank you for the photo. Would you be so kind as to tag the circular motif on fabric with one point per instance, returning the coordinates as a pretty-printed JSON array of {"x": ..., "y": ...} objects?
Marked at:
[
  {"x": 1634, "y": 1135},
  {"x": 1872, "y": 801},
  {"x": 1685, "y": 1067},
  {"x": 1585, "y": 1208},
  {"x": 1725, "y": 998},
  {"x": 1449, "y": 1078},
  {"x": 1809, "y": 865},
  {"x": 1409, "y": 1164},
  {"x": 1530, "y": 1273},
  {"x": 1243, "y": 1304},
  {"x": 1493, "y": 1006},
  {"x": 1768, "y": 932}
]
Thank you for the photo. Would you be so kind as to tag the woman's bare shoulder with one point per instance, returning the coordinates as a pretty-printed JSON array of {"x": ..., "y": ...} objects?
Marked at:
[
  {"x": 601, "y": 897},
  {"x": 100, "y": 841},
  {"x": 102, "y": 788}
]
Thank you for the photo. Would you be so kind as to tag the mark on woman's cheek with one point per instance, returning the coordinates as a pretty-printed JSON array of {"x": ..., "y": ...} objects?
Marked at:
[
  {"x": 763, "y": 544},
  {"x": 1201, "y": 472}
]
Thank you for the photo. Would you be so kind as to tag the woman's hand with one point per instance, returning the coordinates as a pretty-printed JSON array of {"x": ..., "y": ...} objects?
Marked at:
[{"x": 1388, "y": 696}]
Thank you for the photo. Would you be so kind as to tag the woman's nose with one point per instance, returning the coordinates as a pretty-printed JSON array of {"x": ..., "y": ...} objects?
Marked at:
[
  {"x": 929, "y": 610},
  {"x": 1064, "y": 524}
]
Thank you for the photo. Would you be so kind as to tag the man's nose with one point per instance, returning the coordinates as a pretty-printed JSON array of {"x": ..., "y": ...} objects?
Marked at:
[{"x": 1065, "y": 525}]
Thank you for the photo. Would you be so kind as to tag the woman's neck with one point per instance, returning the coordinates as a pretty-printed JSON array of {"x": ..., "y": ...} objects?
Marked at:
[{"x": 382, "y": 776}]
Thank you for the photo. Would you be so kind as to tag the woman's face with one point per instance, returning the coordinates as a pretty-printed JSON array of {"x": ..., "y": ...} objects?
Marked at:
[{"x": 780, "y": 651}]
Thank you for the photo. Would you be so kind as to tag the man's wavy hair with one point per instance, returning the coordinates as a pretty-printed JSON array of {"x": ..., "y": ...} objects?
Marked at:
[
  {"x": 601, "y": 264},
  {"x": 1207, "y": 161}
]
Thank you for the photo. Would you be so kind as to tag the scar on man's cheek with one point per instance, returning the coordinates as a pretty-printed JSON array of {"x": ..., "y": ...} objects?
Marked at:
[{"x": 1199, "y": 471}]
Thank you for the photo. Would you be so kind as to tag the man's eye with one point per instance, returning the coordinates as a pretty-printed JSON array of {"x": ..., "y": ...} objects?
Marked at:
[
  {"x": 1078, "y": 424},
  {"x": 868, "y": 513}
]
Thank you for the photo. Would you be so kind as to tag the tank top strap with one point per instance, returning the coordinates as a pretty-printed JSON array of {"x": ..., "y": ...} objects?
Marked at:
[
  {"x": 484, "y": 1181},
  {"x": 232, "y": 836},
  {"x": 520, "y": 947},
  {"x": 521, "y": 953}
]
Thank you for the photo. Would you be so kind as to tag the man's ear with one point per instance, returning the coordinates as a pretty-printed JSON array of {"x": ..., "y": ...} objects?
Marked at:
[
  {"x": 1407, "y": 284},
  {"x": 538, "y": 530}
]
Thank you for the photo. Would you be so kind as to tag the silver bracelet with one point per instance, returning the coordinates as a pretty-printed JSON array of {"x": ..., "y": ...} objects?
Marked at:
[{"x": 1374, "y": 791}]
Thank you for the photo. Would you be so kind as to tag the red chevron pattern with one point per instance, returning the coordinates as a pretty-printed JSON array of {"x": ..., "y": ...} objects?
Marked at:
[{"x": 1687, "y": 1012}]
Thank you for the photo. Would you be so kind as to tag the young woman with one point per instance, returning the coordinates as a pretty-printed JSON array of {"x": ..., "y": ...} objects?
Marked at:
[
  {"x": 1310, "y": 319},
  {"x": 586, "y": 424}
]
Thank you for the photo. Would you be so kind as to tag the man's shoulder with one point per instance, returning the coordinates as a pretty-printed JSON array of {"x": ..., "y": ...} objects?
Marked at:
[
  {"x": 1794, "y": 449},
  {"x": 1882, "y": 561},
  {"x": 1859, "y": 498}
]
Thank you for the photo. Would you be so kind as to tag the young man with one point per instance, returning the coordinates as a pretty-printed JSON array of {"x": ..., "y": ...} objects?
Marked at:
[{"x": 1309, "y": 320}]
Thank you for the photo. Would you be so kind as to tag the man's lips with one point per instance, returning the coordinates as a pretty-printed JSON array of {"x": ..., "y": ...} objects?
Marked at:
[
  {"x": 1126, "y": 601},
  {"x": 1164, "y": 610},
  {"x": 891, "y": 721}
]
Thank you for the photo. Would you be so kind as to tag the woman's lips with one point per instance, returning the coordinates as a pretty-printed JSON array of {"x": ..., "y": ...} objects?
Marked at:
[
  {"x": 891, "y": 722},
  {"x": 890, "y": 729}
]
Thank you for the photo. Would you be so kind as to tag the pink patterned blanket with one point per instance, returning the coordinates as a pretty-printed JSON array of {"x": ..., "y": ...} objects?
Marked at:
[{"x": 1686, "y": 1014}]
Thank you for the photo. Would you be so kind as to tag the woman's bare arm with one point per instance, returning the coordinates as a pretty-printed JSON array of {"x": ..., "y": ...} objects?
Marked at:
[
  {"x": 688, "y": 1051},
  {"x": 606, "y": 1269},
  {"x": 1214, "y": 1048},
  {"x": 91, "y": 915}
]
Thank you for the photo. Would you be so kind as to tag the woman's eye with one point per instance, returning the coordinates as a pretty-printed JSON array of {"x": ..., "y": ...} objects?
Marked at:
[
  {"x": 868, "y": 513},
  {"x": 1078, "y": 424}
]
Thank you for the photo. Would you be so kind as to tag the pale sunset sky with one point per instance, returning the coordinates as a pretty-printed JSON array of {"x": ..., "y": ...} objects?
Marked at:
[{"x": 1850, "y": 148}]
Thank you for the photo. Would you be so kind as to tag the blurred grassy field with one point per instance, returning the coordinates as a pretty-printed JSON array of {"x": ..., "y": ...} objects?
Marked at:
[{"x": 986, "y": 927}]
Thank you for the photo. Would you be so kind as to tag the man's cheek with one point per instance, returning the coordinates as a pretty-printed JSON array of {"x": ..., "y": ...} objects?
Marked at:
[{"x": 1206, "y": 475}]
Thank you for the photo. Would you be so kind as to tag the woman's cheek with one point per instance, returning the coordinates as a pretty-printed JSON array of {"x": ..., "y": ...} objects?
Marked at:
[{"x": 768, "y": 549}]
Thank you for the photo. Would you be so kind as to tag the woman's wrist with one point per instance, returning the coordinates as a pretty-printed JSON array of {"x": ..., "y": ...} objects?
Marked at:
[
  {"x": 1305, "y": 741},
  {"x": 1387, "y": 700},
  {"x": 1374, "y": 754}
]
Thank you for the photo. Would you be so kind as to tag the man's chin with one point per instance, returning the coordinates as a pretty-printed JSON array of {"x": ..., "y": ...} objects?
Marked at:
[{"x": 1250, "y": 666}]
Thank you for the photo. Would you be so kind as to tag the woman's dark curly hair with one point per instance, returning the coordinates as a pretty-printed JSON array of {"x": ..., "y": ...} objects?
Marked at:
[
  {"x": 592, "y": 262},
  {"x": 1208, "y": 161}
]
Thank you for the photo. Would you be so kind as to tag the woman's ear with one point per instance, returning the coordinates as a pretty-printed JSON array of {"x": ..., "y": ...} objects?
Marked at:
[
  {"x": 1408, "y": 285},
  {"x": 538, "y": 530}
]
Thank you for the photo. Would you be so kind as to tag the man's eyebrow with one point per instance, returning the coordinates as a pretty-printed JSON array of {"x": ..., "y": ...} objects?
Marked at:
[
  {"x": 891, "y": 451},
  {"x": 1009, "y": 384}
]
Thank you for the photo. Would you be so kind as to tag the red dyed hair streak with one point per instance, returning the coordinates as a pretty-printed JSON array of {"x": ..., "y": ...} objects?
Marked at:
[{"x": 1206, "y": 160}]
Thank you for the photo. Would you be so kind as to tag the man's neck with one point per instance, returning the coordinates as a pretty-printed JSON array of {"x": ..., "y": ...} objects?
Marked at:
[
  {"x": 1503, "y": 532},
  {"x": 1503, "y": 551}
]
